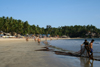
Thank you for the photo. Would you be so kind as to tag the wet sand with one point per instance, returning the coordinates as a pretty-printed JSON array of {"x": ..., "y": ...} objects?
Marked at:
[{"x": 21, "y": 53}]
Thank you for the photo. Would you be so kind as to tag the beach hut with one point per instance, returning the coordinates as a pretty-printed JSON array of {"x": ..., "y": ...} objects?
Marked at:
[
  {"x": 1, "y": 32},
  {"x": 48, "y": 35},
  {"x": 1, "y": 35},
  {"x": 43, "y": 35}
]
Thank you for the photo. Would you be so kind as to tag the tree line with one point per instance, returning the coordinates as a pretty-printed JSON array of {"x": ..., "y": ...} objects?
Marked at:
[{"x": 8, "y": 24}]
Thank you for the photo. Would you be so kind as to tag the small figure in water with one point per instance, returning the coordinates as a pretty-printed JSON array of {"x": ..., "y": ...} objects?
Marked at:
[
  {"x": 50, "y": 38},
  {"x": 86, "y": 47},
  {"x": 91, "y": 49}
]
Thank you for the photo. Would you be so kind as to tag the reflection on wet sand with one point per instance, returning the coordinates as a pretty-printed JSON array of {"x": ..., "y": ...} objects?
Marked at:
[{"x": 86, "y": 62}]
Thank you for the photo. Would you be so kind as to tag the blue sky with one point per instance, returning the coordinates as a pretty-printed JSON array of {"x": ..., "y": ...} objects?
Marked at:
[{"x": 53, "y": 12}]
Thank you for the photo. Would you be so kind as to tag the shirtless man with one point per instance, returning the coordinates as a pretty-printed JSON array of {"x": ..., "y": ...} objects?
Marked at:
[
  {"x": 39, "y": 41},
  {"x": 91, "y": 49}
]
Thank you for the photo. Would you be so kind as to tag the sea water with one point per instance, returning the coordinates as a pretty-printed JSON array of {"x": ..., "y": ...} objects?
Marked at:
[{"x": 74, "y": 45}]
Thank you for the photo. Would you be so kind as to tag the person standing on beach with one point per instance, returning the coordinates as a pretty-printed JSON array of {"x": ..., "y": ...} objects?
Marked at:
[
  {"x": 91, "y": 49},
  {"x": 34, "y": 38},
  {"x": 39, "y": 41},
  {"x": 86, "y": 47},
  {"x": 26, "y": 38}
]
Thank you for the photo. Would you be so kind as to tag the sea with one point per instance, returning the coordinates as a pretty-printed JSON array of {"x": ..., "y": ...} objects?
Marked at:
[{"x": 74, "y": 45}]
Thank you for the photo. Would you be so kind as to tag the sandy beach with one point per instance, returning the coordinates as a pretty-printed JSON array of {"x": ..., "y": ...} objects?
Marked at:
[{"x": 22, "y": 53}]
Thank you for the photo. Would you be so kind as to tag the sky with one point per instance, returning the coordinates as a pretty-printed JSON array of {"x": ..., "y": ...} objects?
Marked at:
[{"x": 53, "y": 12}]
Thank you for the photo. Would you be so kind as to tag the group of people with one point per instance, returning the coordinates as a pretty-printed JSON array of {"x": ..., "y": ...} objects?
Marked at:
[
  {"x": 35, "y": 39},
  {"x": 88, "y": 47}
]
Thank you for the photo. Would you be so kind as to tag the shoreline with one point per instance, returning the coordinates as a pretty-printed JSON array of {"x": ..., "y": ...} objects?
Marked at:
[
  {"x": 22, "y": 53},
  {"x": 42, "y": 39}
]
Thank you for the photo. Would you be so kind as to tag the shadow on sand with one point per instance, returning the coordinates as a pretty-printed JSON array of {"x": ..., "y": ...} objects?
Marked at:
[{"x": 64, "y": 53}]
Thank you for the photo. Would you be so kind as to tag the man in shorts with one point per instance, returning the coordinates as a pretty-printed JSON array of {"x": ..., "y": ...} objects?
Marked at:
[
  {"x": 91, "y": 49},
  {"x": 86, "y": 47}
]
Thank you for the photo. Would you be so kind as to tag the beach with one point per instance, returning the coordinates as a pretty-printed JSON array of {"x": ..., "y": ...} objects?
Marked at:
[{"x": 21, "y": 53}]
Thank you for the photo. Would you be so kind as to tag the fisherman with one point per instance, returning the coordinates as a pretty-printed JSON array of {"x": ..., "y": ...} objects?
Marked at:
[
  {"x": 91, "y": 49},
  {"x": 86, "y": 47}
]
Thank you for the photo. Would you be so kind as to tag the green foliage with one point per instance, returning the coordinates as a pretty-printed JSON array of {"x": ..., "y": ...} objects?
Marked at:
[{"x": 12, "y": 25}]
